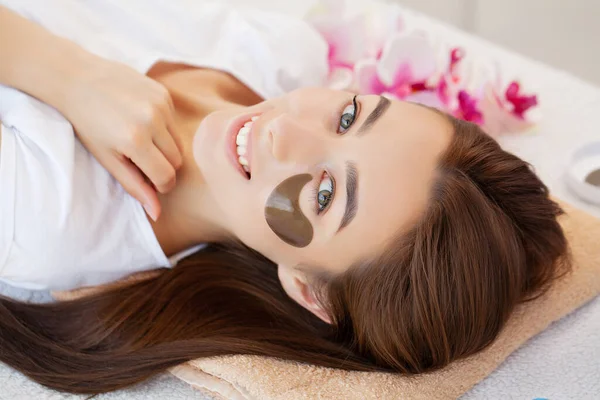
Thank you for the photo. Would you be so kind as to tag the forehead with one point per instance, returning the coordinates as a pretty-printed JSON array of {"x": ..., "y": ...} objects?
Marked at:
[{"x": 396, "y": 161}]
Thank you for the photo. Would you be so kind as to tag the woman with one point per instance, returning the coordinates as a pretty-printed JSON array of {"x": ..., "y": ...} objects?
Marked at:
[{"x": 345, "y": 231}]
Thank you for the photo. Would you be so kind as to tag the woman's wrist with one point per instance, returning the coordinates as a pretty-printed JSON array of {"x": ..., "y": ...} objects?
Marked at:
[
  {"x": 69, "y": 72},
  {"x": 40, "y": 63},
  {"x": 73, "y": 75}
]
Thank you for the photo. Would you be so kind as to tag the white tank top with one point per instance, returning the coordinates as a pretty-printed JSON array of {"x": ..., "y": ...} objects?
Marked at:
[{"x": 64, "y": 221}]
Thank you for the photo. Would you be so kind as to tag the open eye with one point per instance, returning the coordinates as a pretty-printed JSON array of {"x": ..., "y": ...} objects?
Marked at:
[
  {"x": 325, "y": 192},
  {"x": 348, "y": 116}
]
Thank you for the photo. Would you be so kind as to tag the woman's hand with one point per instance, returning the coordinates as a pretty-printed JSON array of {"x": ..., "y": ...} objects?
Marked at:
[{"x": 125, "y": 119}]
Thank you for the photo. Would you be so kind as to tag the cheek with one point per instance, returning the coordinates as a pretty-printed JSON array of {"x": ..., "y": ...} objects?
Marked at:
[{"x": 250, "y": 226}]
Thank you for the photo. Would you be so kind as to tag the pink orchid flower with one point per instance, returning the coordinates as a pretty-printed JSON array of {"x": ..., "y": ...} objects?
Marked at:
[
  {"x": 507, "y": 111},
  {"x": 474, "y": 93},
  {"x": 382, "y": 21},
  {"x": 353, "y": 36},
  {"x": 452, "y": 85},
  {"x": 467, "y": 108},
  {"x": 459, "y": 90},
  {"x": 370, "y": 53},
  {"x": 519, "y": 102},
  {"x": 345, "y": 36},
  {"x": 406, "y": 62}
]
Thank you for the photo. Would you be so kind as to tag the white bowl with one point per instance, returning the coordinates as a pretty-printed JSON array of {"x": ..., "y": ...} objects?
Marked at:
[{"x": 584, "y": 162}]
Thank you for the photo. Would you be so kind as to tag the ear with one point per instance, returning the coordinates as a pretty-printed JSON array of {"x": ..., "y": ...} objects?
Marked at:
[{"x": 295, "y": 285}]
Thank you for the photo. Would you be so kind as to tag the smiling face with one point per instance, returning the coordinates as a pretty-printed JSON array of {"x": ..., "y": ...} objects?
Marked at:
[{"x": 354, "y": 171}]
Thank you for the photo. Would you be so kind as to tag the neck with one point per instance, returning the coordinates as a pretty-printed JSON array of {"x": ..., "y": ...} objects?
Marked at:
[{"x": 189, "y": 214}]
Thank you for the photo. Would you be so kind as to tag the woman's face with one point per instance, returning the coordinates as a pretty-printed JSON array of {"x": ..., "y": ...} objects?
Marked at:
[{"x": 330, "y": 180}]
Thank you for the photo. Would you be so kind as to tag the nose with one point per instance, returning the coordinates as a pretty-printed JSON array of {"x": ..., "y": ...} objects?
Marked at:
[{"x": 293, "y": 140}]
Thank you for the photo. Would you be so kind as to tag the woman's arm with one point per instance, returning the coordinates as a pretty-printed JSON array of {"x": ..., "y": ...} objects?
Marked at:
[
  {"x": 38, "y": 62},
  {"x": 122, "y": 117}
]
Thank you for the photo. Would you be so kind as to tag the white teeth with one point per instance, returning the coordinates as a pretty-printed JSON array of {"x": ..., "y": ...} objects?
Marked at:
[
  {"x": 244, "y": 130},
  {"x": 241, "y": 141},
  {"x": 241, "y": 150}
]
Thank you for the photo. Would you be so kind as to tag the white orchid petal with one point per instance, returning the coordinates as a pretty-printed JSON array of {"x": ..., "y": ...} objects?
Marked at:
[
  {"x": 365, "y": 73},
  {"x": 326, "y": 8},
  {"x": 341, "y": 79},
  {"x": 411, "y": 49},
  {"x": 350, "y": 40},
  {"x": 498, "y": 119},
  {"x": 382, "y": 23}
]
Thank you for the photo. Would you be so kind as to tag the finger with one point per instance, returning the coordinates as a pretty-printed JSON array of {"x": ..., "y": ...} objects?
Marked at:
[
  {"x": 134, "y": 183},
  {"x": 168, "y": 115},
  {"x": 166, "y": 143},
  {"x": 172, "y": 128},
  {"x": 155, "y": 166}
]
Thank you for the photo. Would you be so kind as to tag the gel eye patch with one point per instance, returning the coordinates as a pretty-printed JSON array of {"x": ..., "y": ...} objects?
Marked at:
[{"x": 283, "y": 213}]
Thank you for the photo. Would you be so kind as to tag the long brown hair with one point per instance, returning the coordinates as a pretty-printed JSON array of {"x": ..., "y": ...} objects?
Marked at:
[{"x": 488, "y": 240}]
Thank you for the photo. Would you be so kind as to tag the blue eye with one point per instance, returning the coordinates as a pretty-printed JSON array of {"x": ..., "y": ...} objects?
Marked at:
[
  {"x": 323, "y": 193},
  {"x": 348, "y": 116}
]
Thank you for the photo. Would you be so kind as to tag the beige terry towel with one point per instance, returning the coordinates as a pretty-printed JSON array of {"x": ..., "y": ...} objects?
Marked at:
[{"x": 259, "y": 378}]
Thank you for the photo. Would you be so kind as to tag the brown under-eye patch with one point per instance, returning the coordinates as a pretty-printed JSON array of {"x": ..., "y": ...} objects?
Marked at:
[{"x": 283, "y": 213}]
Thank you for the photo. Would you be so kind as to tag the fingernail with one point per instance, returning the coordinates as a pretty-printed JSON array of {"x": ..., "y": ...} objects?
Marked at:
[{"x": 150, "y": 212}]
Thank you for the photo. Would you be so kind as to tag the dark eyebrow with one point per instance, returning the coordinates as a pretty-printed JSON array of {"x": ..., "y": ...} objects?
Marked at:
[
  {"x": 377, "y": 112},
  {"x": 352, "y": 172},
  {"x": 351, "y": 197}
]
